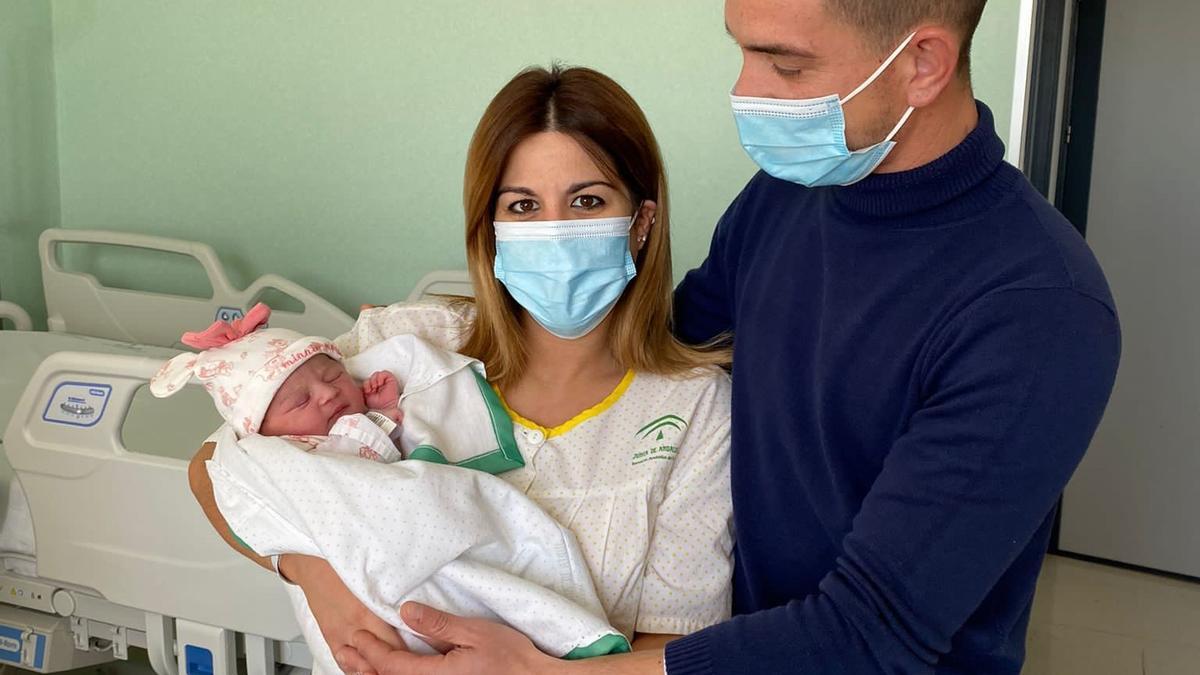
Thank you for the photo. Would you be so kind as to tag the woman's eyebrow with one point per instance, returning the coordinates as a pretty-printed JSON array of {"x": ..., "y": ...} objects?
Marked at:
[
  {"x": 587, "y": 184},
  {"x": 516, "y": 189}
]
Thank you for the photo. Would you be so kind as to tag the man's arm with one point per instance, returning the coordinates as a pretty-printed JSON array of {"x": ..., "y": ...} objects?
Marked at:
[
  {"x": 337, "y": 611},
  {"x": 1013, "y": 392},
  {"x": 202, "y": 489},
  {"x": 703, "y": 303}
]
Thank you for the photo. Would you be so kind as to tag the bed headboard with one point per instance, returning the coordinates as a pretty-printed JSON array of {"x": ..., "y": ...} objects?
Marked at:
[{"x": 77, "y": 302}]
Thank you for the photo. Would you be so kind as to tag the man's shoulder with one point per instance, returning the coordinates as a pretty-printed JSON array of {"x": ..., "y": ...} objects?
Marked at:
[{"x": 1044, "y": 250}]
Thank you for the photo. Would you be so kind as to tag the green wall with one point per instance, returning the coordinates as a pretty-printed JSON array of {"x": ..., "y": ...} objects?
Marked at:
[
  {"x": 325, "y": 141},
  {"x": 28, "y": 168},
  {"x": 994, "y": 61}
]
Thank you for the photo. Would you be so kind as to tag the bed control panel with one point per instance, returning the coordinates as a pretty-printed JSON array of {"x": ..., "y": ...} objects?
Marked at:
[
  {"x": 27, "y": 593},
  {"x": 78, "y": 404},
  {"x": 41, "y": 643}
]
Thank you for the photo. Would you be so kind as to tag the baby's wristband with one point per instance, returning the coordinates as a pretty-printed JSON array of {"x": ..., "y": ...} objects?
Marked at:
[{"x": 383, "y": 422}]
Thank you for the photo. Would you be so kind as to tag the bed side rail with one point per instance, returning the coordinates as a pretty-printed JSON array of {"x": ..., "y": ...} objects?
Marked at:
[
  {"x": 443, "y": 282},
  {"x": 15, "y": 313},
  {"x": 124, "y": 523},
  {"x": 78, "y": 303}
]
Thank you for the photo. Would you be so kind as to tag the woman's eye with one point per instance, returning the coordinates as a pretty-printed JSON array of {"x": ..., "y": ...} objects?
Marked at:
[
  {"x": 588, "y": 202},
  {"x": 523, "y": 206}
]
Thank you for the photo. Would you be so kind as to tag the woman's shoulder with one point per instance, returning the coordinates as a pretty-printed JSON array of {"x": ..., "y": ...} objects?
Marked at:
[
  {"x": 700, "y": 376},
  {"x": 706, "y": 386},
  {"x": 441, "y": 321}
]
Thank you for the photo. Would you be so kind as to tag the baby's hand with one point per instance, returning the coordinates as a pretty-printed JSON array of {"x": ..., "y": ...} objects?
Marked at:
[{"x": 381, "y": 391}]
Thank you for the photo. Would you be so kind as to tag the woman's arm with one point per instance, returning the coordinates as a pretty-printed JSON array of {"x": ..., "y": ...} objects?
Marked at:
[
  {"x": 439, "y": 322},
  {"x": 202, "y": 489},
  {"x": 337, "y": 611},
  {"x": 687, "y": 585}
]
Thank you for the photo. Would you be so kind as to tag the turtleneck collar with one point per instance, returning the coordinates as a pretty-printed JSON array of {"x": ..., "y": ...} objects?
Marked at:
[{"x": 964, "y": 181}]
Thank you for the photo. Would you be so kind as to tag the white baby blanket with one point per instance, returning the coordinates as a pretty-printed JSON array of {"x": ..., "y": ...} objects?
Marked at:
[
  {"x": 460, "y": 540},
  {"x": 451, "y": 413}
]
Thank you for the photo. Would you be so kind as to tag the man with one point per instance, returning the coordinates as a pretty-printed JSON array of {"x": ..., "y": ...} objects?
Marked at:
[{"x": 923, "y": 350}]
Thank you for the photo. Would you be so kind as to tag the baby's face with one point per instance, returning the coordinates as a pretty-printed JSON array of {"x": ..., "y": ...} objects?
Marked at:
[{"x": 311, "y": 399}]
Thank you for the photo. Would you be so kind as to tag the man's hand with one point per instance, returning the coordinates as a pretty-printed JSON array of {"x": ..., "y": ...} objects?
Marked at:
[{"x": 469, "y": 646}]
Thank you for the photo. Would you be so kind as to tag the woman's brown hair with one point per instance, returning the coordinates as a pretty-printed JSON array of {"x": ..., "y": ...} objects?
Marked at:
[{"x": 608, "y": 124}]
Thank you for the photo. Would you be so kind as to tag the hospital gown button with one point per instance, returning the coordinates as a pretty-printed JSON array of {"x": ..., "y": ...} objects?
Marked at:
[{"x": 536, "y": 437}]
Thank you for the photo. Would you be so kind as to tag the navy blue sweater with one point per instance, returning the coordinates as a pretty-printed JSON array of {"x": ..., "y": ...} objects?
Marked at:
[{"x": 920, "y": 361}]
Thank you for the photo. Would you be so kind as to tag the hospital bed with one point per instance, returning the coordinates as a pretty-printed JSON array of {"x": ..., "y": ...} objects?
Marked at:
[{"x": 102, "y": 546}]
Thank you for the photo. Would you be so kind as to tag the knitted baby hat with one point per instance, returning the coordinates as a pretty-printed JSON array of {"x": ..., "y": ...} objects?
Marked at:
[{"x": 241, "y": 366}]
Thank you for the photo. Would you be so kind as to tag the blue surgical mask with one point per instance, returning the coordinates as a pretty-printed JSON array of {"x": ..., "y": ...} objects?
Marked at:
[
  {"x": 568, "y": 274},
  {"x": 804, "y": 141}
]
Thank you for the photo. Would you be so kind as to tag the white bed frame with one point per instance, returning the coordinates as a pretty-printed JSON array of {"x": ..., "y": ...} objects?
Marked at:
[{"x": 124, "y": 555}]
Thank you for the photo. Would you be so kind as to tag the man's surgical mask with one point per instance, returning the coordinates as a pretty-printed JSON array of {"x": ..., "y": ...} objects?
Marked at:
[
  {"x": 804, "y": 140},
  {"x": 568, "y": 274}
]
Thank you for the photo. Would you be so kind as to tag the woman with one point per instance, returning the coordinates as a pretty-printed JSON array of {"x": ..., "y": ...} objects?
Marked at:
[{"x": 625, "y": 431}]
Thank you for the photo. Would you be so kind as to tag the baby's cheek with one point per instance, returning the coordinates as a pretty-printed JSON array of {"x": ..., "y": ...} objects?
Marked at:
[
  {"x": 273, "y": 425},
  {"x": 358, "y": 401}
]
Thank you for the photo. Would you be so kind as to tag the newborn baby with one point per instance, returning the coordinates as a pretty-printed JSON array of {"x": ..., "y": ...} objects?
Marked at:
[
  {"x": 276, "y": 382},
  {"x": 320, "y": 400},
  {"x": 477, "y": 546}
]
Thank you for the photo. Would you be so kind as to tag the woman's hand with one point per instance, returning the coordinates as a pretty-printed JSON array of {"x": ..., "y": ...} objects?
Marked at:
[{"x": 338, "y": 612}]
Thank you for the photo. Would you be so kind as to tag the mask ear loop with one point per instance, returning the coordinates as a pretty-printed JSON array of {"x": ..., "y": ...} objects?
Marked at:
[
  {"x": 637, "y": 211},
  {"x": 641, "y": 238},
  {"x": 903, "y": 120},
  {"x": 882, "y": 67}
]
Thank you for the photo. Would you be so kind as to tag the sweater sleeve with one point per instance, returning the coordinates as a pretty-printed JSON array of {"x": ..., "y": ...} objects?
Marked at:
[
  {"x": 1013, "y": 390},
  {"x": 703, "y": 306}
]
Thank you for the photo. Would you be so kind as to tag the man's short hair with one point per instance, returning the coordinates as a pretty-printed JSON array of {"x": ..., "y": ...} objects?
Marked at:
[{"x": 887, "y": 22}]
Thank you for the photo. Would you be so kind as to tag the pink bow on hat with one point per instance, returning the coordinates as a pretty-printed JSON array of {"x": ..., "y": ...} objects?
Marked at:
[{"x": 221, "y": 333}]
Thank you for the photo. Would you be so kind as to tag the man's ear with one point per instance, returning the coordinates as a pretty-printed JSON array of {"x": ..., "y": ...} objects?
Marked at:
[{"x": 936, "y": 52}]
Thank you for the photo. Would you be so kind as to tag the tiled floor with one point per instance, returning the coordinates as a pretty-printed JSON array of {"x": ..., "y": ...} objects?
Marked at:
[{"x": 1098, "y": 620}]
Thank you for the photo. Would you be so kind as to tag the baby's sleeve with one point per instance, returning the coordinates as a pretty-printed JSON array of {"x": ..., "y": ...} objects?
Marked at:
[
  {"x": 688, "y": 580},
  {"x": 442, "y": 323}
]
